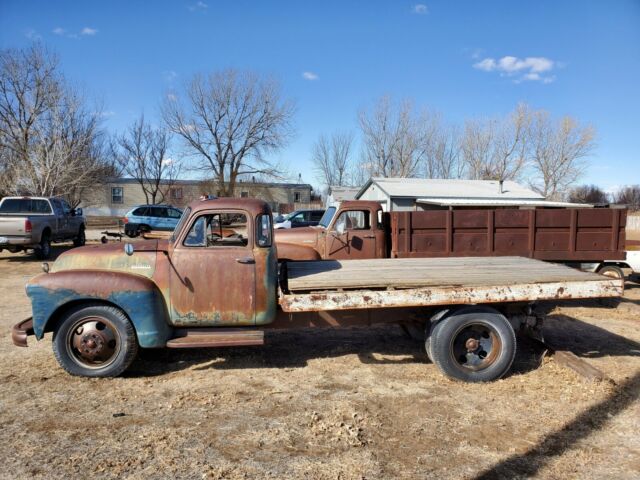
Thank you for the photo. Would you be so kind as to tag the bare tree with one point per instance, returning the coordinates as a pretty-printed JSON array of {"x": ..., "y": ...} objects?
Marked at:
[
  {"x": 443, "y": 153},
  {"x": 331, "y": 158},
  {"x": 588, "y": 194},
  {"x": 558, "y": 149},
  {"x": 141, "y": 152},
  {"x": 496, "y": 149},
  {"x": 630, "y": 196},
  {"x": 52, "y": 143},
  {"x": 230, "y": 120},
  {"x": 394, "y": 138}
]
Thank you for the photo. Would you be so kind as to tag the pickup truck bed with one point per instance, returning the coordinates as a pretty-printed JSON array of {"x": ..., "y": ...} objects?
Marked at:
[{"x": 379, "y": 283}]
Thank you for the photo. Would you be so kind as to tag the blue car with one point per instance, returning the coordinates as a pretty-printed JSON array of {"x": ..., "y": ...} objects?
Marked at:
[{"x": 150, "y": 217}]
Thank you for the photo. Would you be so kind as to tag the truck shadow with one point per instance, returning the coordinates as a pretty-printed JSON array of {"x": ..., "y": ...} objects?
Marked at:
[
  {"x": 22, "y": 257},
  {"x": 587, "y": 340},
  {"x": 380, "y": 345},
  {"x": 590, "y": 421}
]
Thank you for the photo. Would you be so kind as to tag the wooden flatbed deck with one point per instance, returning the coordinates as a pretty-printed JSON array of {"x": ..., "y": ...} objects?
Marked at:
[{"x": 356, "y": 284}]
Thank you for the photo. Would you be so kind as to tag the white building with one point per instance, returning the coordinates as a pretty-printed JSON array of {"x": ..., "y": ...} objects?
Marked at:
[
  {"x": 340, "y": 194},
  {"x": 402, "y": 194}
]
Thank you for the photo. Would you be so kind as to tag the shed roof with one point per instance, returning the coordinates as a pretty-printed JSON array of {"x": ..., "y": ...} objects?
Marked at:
[
  {"x": 498, "y": 202},
  {"x": 340, "y": 194},
  {"x": 449, "y": 188}
]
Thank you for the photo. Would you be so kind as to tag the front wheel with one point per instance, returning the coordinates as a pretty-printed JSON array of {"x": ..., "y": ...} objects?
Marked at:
[
  {"x": 81, "y": 239},
  {"x": 473, "y": 344},
  {"x": 95, "y": 341}
]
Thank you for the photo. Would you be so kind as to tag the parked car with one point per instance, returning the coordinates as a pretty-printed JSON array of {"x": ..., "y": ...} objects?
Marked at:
[
  {"x": 299, "y": 218},
  {"x": 34, "y": 222},
  {"x": 145, "y": 218}
]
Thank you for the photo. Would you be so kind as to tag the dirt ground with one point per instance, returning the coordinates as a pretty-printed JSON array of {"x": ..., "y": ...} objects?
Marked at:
[{"x": 323, "y": 405}]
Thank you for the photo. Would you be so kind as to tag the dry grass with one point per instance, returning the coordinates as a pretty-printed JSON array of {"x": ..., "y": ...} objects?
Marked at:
[{"x": 335, "y": 404}]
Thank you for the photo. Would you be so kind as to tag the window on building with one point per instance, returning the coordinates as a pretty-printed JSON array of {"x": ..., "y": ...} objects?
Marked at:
[
  {"x": 117, "y": 195},
  {"x": 176, "y": 193},
  {"x": 296, "y": 196},
  {"x": 244, "y": 194}
]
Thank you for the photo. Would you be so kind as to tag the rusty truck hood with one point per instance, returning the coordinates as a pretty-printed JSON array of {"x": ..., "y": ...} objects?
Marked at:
[
  {"x": 112, "y": 257},
  {"x": 300, "y": 236}
]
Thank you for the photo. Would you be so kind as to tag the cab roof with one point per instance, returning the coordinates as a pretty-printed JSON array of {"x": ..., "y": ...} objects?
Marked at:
[{"x": 251, "y": 205}]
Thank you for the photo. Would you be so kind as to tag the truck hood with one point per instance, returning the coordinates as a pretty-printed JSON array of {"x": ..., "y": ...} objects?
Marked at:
[
  {"x": 307, "y": 236},
  {"x": 112, "y": 257}
]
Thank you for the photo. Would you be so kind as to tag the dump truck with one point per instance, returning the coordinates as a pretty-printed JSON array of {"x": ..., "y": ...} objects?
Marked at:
[
  {"x": 591, "y": 239},
  {"x": 217, "y": 282}
]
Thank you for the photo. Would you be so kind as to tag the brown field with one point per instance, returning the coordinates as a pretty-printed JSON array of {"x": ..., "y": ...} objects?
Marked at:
[{"x": 324, "y": 405}]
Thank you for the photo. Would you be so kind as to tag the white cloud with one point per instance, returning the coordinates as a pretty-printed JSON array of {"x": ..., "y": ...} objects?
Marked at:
[
  {"x": 310, "y": 76},
  {"x": 198, "y": 6},
  {"x": 535, "y": 69},
  {"x": 32, "y": 34},
  {"x": 169, "y": 75},
  {"x": 86, "y": 31},
  {"x": 420, "y": 9}
]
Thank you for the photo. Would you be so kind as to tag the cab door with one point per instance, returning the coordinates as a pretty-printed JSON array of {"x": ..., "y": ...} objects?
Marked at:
[
  {"x": 213, "y": 274},
  {"x": 351, "y": 236}
]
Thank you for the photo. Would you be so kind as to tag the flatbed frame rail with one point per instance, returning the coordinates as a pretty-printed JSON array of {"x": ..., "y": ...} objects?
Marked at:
[{"x": 385, "y": 283}]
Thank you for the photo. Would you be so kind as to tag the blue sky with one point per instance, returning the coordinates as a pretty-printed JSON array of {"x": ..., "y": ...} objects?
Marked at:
[{"x": 576, "y": 57}]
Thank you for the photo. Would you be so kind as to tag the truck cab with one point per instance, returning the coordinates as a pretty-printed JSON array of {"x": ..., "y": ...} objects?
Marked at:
[{"x": 354, "y": 230}]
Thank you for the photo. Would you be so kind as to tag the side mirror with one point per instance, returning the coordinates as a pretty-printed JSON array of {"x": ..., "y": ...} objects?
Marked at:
[
  {"x": 128, "y": 249},
  {"x": 76, "y": 212}
]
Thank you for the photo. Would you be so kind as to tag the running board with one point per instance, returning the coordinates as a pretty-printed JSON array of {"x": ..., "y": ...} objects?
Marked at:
[{"x": 215, "y": 337}]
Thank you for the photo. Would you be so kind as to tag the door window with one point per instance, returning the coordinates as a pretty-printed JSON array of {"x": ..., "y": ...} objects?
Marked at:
[
  {"x": 354, "y": 220},
  {"x": 221, "y": 229},
  {"x": 298, "y": 218},
  {"x": 65, "y": 207},
  {"x": 173, "y": 213}
]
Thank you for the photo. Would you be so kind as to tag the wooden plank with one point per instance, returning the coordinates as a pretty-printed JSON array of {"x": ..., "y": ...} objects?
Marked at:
[
  {"x": 461, "y": 271},
  {"x": 450, "y": 295},
  {"x": 578, "y": 365}
]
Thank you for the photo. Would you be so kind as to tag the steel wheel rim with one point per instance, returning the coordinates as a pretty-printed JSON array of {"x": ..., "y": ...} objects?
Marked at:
[
  {"x": 475, "y": 346},
  {"x": 93, "y": 342}
]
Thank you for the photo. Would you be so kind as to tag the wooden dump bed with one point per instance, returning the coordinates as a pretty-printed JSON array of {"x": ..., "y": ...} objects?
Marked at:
[{"x": 356, "y": 284}]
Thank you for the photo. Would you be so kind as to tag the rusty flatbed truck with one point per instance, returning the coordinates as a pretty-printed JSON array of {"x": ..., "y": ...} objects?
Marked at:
[
  {"x": 592, "y": 239},
  {"x": 216, "y": 283}
]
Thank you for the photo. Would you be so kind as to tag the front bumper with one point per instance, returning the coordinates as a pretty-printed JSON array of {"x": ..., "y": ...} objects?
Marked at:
[{"x": 21, "y": 331}]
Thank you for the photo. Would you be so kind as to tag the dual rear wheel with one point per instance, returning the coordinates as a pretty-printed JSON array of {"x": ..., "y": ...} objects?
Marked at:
[{"x": 473, "y": 344}]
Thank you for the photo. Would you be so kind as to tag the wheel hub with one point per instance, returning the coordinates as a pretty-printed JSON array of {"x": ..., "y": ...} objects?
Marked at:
[{"x": 93, "y": 341}]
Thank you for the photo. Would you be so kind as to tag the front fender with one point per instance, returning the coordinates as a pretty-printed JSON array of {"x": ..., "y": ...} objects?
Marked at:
[
  {"x": 138, "y": 296},
  {"x": 293, "y": 252}
]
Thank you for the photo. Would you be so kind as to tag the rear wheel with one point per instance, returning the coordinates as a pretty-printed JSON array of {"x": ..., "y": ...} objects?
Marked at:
[
  {"x": 612, "y": 271},
  {"x": 95, "y": 341},
  {"x": 474, "y": 344},
  {"x": 43, "y": 251},
  {"x": 81, "y": 239}
]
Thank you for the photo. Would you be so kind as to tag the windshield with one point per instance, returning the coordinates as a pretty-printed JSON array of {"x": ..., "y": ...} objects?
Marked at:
[
  {"x": 181, "y": 222},
  {"x": 326, "y": 218}
]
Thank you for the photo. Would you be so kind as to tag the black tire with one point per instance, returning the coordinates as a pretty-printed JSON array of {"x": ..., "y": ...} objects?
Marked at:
[
  {"x": 81, "y": 239},
  {"x": 43, "y": 250},
  {"x": 94, "y": 340},
  {"x": 612, "y": 271},
  {"x": 474, "y": 344}
]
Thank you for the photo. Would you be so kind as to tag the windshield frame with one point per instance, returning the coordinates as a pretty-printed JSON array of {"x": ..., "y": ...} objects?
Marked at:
[
  {"x": 326, "y": 213},
  {"x": 183, "y": 219}
]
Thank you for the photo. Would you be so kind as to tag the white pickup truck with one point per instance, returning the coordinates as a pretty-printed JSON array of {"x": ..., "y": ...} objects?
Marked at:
[{"x": 32, "y": 223}]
